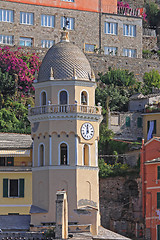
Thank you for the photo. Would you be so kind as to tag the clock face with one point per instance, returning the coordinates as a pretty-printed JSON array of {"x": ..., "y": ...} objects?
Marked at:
[{"x": 87, "y": 131}]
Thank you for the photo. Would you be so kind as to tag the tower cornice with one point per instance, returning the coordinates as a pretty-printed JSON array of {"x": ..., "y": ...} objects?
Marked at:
[{"x": 64, "y": 82}]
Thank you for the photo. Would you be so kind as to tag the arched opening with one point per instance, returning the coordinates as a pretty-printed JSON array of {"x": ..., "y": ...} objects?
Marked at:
[
  {"x": 41, "y": 155},
  {"x": 63, "y": 154},
  {"x": 63, "y": 98},
  {"x": 86, "y": 155},
  {"x": 43, "y": 98},
  {"x": 84, "y": 98}
]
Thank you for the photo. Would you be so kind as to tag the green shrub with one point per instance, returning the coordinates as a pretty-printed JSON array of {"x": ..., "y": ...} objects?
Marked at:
[
  {"x": 108, "y": 170},
  {"x": 147, "y": 54}
]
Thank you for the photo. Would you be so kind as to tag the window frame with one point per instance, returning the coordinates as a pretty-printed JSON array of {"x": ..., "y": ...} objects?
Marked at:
[
  {"x": 111, "y": 28},
  {"x": 6, "y": 15},
  {"x": 155, "y": 126},
  {"x": 158, "y": 172},
  {"x": 25, "y": 39},
  {"x": 27, "y": 18},
  {"x": 129, "y": 30},
  {"x": 59, "y": 154},
  {"x": 47, "y": 20},
  {"x": 113, "y": 53},
  {"x": 47, "y": 43},
  {"x": 132, "y": 53},
  {"x": 39, "y": 156},
  {"x": 9, "y": 39},
  {"x": 7, "y": 185},
  {"x": 68, "y": 27},
  {"x": 90, "y": 44}
]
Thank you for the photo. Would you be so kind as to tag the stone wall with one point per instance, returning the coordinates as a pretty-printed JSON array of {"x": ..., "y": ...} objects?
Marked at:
[
  {"x": 100, "y": 63},
  {"x": 121, "y": 205},
  {"x": 149, "y": 42},
  {"x": 89, "y": 27}
]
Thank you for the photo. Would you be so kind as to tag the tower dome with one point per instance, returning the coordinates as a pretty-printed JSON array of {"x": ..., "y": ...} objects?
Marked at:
[{"x": 66, "y": 60}]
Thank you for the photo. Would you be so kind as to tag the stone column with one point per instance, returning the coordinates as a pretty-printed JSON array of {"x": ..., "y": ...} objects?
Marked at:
[{"x": 61, "y": 215}]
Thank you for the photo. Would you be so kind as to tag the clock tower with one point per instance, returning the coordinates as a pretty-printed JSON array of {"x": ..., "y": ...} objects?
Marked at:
[{"x": 65, "y": 132}]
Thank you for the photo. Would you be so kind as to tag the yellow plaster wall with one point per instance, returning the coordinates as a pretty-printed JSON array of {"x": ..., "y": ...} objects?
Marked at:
[
  {"x": 8, "y": 203},
  {"x": 150, "y": 117},
  {"x": 74, "y": 94}
]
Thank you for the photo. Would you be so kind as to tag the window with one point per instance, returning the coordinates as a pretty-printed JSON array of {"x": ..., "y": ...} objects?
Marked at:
[
  {"x": 86, "y": 155},
  {"x": 84, "y": 98},
  {"x": 6, "y": 15},
  {"x": 6, "y": 161},
  {"x": 110, "y": 51},
  {"x": 139, "y": 122},
  {"x": 13, "y": 187},
  {"x": 128, "y": 122},
  {"x": 158, "y": 200},
  {"x": 4, "y": 39},
  {"x": 90, "y": 48},
  {"x": 47, "y": 43},
  {"x": 47, "y": 21},
  {"x": 26, "y": 18},
  {"x": 129, "y": 52},
  {"x": 67, "y": 22},
  {"x": 129, "y": 30},
  {"x": 111, "y": 28},
  {"x": 43, "y": 98},
  {"x": 158, "y": 172},
  {"x": 158, "y": 232},
  {"x": 63, "y": 97},
  {"x": 25, "y": 41},
  {"x": 149, "y": 124},
  {"x": 63, "y": 153},
  {"x": 41, "y": 155}
]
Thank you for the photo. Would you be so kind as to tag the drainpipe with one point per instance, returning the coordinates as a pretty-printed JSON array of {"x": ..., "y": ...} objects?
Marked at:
[
  {"x": 100, "y": 24},
  {"x": 142, "y": 174}
]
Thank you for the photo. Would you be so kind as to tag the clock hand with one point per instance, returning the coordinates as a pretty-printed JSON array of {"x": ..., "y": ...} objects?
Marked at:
[{"x": 87, "y": 129}]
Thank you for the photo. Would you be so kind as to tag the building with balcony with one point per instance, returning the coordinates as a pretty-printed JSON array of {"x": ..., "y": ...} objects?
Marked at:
[
  {"x": 150, "y": 175},
  {"x": 94, "y": 26}
]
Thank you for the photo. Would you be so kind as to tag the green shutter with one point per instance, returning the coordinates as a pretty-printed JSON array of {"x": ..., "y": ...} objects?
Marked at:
[
  {"x": 21, "y": 187},
  {"x": 139, "y": 122},
  {"x": 158, "y": 200},
  {"x": 158, "y": 232},
  {"x": 5, "y": 187},
  {"x": 127, "y": 121},
  {"x": 158, "y": 172}
]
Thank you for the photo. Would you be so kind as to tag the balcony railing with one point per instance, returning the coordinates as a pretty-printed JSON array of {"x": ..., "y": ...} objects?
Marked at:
[{"x": 73, "y": 108}]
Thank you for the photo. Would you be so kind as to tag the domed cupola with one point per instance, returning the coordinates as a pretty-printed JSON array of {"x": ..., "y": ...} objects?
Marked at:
[{"x": 64, "y": 61}]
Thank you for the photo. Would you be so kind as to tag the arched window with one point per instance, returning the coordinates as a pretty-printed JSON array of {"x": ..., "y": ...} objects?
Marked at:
[
  {"x": 63, "y": 154},
  {"x": 43, "y": 98},
  {"x": 41, "y": 155},
  {"x": 63, "y": 98},
  {"x": 84, "y": 98},
  {"x": 86, "y": 155}
]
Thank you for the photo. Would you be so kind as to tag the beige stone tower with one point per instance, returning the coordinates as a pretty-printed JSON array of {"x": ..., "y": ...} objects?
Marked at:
[{"x": 65, "y": 131}]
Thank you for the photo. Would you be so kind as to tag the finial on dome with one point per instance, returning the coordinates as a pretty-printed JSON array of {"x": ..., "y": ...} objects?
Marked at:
[
  {"x": 92, "y": 75},
  {"x": 64, "y": 36},
  {"x": 51, "y": 74},
  {"x": 74, "y": 74}
]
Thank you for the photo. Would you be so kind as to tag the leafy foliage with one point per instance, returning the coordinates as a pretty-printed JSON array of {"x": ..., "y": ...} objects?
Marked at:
[
  {"x": 151, "y": 79},
  {"x": 118, "y": 85},
  {"x": 7, "y": 84},
  {"x": 153, "y": 13},
  {"x": 13, "y": 116},
  {"x": 108, "y": 170}
]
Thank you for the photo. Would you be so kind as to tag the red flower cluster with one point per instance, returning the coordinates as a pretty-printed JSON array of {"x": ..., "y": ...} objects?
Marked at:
[{"x": 23, "y": 64}]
